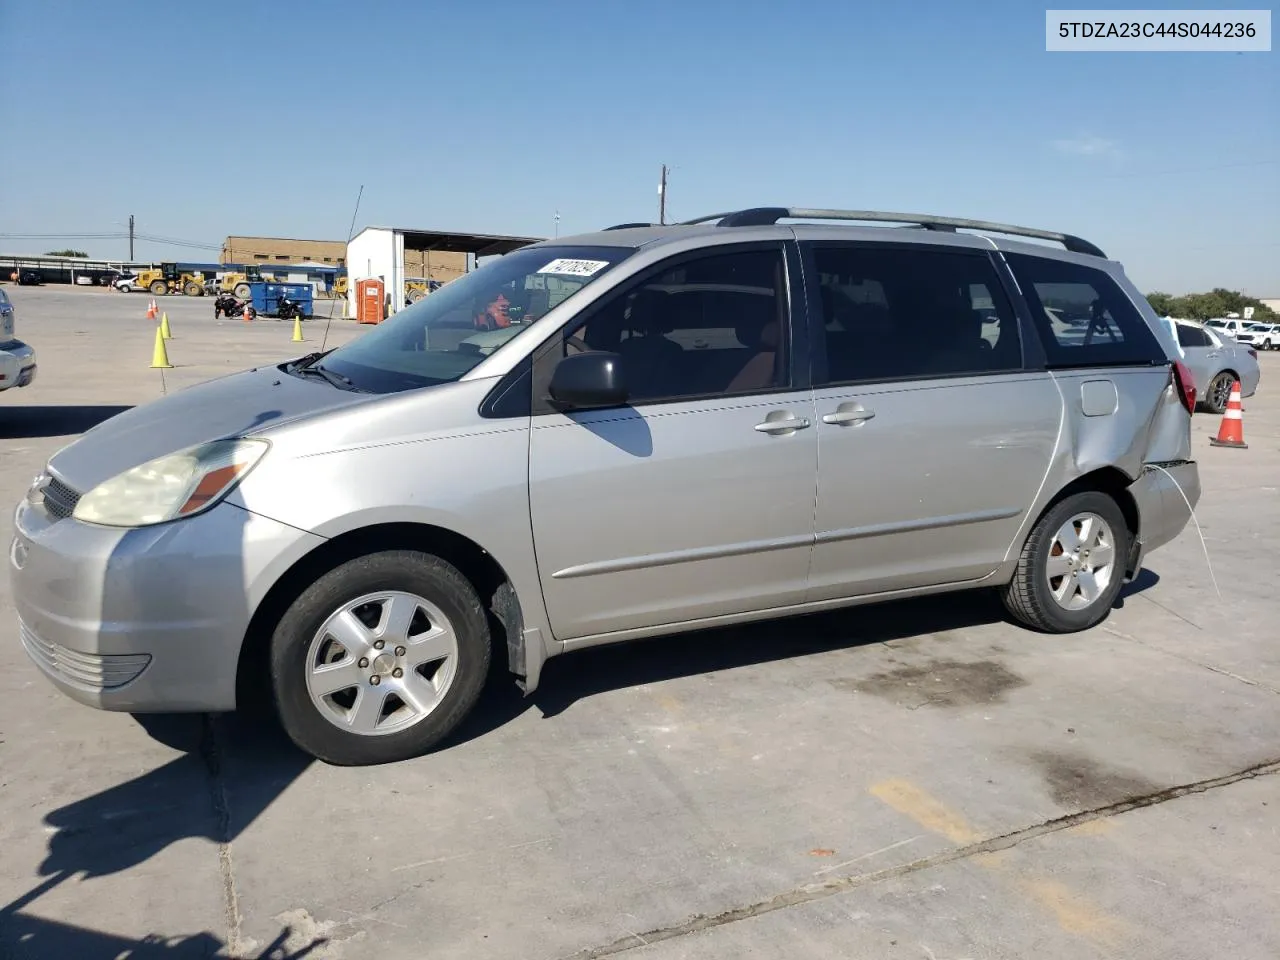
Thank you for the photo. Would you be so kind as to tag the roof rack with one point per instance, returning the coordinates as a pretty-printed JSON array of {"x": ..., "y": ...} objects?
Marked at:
[{"x": 763, "y": 216}]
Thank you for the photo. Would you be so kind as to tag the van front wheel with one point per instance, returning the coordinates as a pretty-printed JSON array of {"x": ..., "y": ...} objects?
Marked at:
[
  {"x": 380, "y": 658},
  {"x": 1072, "y": 566}
]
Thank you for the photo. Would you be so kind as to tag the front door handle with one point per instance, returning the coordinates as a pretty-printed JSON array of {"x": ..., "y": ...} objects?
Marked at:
[
  {"x": 787, "y": 424},
  {"x": 848, "y": 413}
]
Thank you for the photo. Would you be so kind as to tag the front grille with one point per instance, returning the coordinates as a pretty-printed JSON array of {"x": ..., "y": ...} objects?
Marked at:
[
  {"x": 91, "y": 671},
  {"x": 59, "y": 499}
]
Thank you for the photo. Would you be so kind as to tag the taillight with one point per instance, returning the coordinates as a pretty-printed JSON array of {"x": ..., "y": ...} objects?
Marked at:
[
  {"x": 1186, "y": 384},
  {"x": 1253, "y": 353}
]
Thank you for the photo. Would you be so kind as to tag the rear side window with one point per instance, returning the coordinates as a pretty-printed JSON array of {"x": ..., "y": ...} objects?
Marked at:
[
  {"x": 1083, "y": 317},
  {"x": 1192, "y": 337},
  {"x": 892, "y": 313}
]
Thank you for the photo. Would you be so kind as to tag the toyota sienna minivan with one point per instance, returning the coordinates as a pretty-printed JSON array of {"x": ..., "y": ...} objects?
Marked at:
[{"x": 639, "y": 431}]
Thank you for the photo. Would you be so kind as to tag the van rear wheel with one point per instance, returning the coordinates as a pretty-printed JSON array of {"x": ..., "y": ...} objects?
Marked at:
[
  {"x": 1072, "y": 566},
  {"x": 380, "y": 658}
]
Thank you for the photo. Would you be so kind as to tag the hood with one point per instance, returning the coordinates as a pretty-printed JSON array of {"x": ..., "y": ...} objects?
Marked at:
[{"x": 234, "y": 406}]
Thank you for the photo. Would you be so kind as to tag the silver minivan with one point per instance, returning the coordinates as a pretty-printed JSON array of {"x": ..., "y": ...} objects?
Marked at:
[{"x": 644, "y": 430}]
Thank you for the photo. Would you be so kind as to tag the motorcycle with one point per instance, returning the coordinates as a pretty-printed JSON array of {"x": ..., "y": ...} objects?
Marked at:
[
  {"x": 229, "y": 305},
  {"x": 287, "y": 309}
]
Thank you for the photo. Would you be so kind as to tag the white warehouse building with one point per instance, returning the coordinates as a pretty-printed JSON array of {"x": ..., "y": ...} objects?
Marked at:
[{"x": 398, "y": 256}]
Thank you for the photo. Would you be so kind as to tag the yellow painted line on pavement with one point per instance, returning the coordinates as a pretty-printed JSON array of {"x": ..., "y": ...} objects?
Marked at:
[
  {"x": 1074, "y": 913},
  {"x": 908, "y": 799}
]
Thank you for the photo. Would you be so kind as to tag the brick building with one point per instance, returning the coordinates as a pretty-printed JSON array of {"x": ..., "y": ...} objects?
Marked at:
[
  {"x": 283, "y": 250},
  {"x": 442, "y": 265},
  {"x": 439, "y": 265}
]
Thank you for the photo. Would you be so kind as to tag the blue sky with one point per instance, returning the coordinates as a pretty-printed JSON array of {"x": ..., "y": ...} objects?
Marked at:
[{"x": 493, "y": 116}]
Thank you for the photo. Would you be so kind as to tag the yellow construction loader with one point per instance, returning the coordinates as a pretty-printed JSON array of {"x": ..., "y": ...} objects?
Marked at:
[
  {"x": 238, "y": 283},
  {"x": 168, "y": 280}
]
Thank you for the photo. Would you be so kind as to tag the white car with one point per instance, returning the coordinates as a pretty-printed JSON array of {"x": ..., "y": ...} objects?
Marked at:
[
  {"x": 1233, "y": 327},
  {"x": 128, "y": 284},
  {"x": 1264, "y": 336},
  {"x": 17, "y": 359}
]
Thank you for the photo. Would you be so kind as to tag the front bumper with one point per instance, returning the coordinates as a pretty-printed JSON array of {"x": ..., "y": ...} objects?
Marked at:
[
  {"x": 17, "y": 365},
  {"x": 147, "y": 620},
  {"x": 1165, "y": 495}
]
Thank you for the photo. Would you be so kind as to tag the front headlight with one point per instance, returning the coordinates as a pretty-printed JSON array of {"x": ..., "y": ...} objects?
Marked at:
[{"x": 177, "y": 485}]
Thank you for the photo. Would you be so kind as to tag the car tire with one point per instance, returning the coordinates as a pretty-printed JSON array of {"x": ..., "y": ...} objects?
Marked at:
[
  {"x": 1049, "y": 591},
  {"x": 366, "y": 721},
  {"x": 1218, "y": 393}
]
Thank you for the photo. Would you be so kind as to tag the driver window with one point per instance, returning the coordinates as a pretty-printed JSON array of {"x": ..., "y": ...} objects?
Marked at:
[{"x": 709, "y": 327}]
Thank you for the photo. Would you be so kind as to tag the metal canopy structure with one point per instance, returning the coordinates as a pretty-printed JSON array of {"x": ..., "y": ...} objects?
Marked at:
[
  {"x": 379, "y": 253},
  {"x": 477, "y": 244}
]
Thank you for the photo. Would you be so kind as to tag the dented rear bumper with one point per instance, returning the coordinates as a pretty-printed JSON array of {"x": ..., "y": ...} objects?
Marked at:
[{"x": 1165, "y": 494}]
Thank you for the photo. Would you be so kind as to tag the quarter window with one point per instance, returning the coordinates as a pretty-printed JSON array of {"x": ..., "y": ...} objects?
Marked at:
[
  {"x": 1192, "y": 337},
  {"x": 708, "y": 327},
  {"x": 1083, "y": 317},
  {"x": 893, "y": 313}
]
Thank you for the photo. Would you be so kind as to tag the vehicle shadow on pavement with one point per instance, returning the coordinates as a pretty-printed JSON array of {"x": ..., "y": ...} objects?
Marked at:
[
  {"x": 577, "y": 676},
  {"x": 34, "y": 938},
  {"x": 1145, "y": 580},
  {"x": 23, "y": 423},
  {"x": 228, "y": 771}
]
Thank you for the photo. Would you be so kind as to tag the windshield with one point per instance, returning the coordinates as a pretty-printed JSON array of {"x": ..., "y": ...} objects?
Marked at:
[{"x": 449, "y": 331}]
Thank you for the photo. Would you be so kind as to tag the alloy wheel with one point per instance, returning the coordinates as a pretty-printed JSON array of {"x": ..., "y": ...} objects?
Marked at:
[
  {"x": 1082, "y": 561},
  {"x": 381, "y": 663}
]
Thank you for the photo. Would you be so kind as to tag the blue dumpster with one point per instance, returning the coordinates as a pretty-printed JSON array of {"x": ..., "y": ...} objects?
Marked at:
[{"x": 266, "y": 297}]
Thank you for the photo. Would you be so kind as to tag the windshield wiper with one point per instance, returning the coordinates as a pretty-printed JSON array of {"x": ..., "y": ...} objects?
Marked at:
[
  {"x": 308, "y": 360},
  {"x": 337, "y": 379},
  {"x": 309, "y": 366}
]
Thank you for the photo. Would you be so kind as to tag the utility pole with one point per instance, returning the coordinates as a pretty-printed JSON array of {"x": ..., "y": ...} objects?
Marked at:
[
  {"x": 662, "y": 196},
  {"x": 131, "y": 238},
  {"x": 557, "y": 220}
]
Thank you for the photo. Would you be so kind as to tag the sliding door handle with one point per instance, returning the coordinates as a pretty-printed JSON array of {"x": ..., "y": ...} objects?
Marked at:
[
  {"x": 789, "y": 425},
  {"x": 848, "y": 413}
]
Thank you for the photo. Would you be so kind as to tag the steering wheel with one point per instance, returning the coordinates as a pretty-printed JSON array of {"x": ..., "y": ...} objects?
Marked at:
[{"x": 579, "y": 343}]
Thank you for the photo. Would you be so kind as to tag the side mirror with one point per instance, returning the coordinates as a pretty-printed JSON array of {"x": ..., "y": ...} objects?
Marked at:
[{"x": 587, "y": 380}]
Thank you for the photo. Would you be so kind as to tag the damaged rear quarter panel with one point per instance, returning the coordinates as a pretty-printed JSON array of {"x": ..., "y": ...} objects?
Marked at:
[{"x": 1148, "y": 423}]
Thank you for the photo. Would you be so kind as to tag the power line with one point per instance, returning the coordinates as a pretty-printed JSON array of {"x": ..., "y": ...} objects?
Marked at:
[
  {"x": 62, "y": 236},
  {"x": 118, "y": 235}
]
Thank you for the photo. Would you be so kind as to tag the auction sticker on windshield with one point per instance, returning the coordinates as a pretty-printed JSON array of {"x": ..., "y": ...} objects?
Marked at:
[{"x": 575, "y": 268}]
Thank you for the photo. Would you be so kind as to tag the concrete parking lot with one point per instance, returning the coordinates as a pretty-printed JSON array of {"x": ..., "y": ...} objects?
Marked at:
[{"x": 914, "y": 780}]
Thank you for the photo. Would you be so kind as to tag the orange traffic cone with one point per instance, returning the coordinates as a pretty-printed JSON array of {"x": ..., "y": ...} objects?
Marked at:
[
  {"x": 246, "y": 318},
  {"x": 1231, "y": 433},
  {"x": 151, "y": 309}
]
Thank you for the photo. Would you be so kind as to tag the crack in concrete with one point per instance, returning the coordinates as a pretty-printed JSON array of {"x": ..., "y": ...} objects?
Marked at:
[
  {"x": 830, "y": 888},
  {"x": 1262, "y": 685},
  {"x": 212, "y": 756}
]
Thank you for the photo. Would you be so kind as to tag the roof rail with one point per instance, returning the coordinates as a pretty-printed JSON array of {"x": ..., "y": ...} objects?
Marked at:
[
  {"x": 629, "y": 226},
  {"x": 762, "y": 216}
]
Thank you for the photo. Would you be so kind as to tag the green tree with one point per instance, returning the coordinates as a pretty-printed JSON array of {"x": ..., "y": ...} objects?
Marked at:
[
  {"x": 1218, "y": 302},
  {"x": 66, "y": 253},
  {"x": 1162, "y": 303}
]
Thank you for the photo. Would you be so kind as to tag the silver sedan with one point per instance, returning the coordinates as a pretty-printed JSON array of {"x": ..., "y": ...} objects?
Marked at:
[{"x": 1217, "y": 360}]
